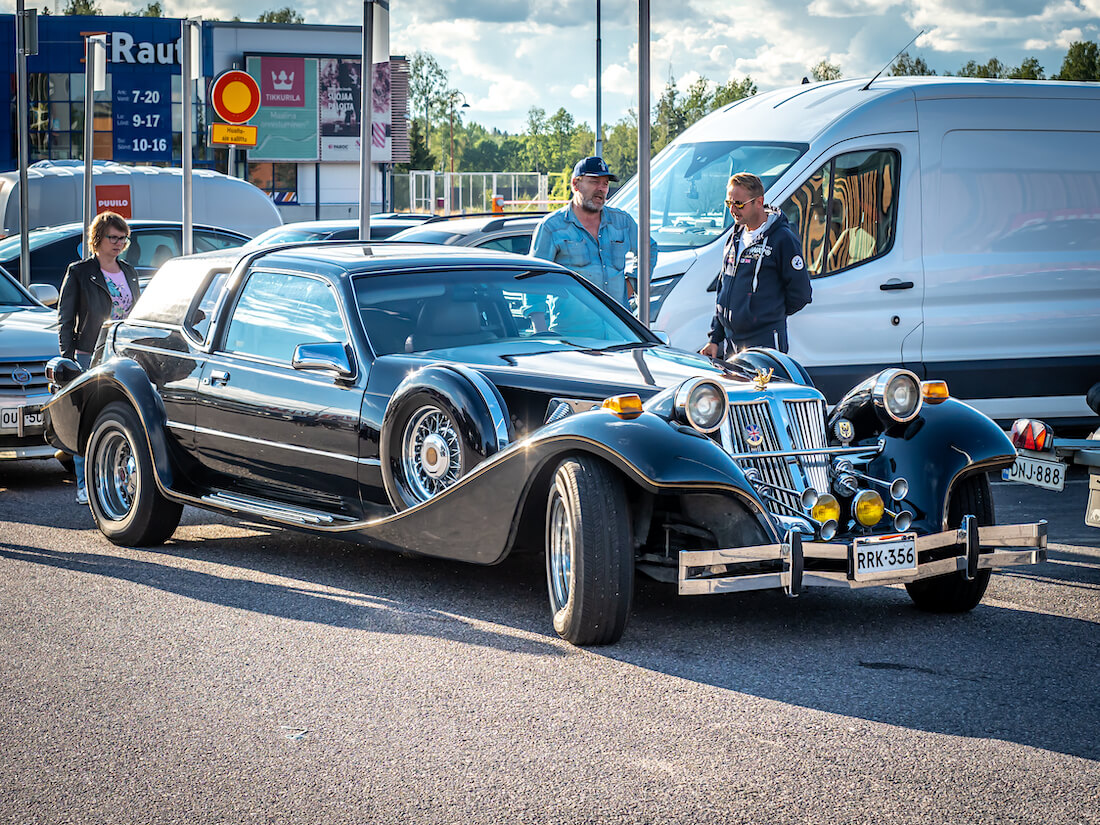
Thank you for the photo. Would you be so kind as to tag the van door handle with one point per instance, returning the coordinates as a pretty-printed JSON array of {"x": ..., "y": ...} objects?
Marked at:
[
  {"x": 219, "y": 378},
  {"x": 895, "y": 284}
]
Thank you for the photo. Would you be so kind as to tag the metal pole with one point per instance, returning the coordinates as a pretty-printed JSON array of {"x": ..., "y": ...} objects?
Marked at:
[
  {"x": 366, "y": 84},
  {"x": 599, "y": 116},
  {"x": 89, "y": 94},
  {"x": 24, "y": 147},
  {"x": 185, "y": 139},
  {"x": 643, "y": 161},
  {"x": 452, "y": 134}
]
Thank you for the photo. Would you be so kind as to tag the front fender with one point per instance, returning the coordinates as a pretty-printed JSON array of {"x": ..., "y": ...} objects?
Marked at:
[
  {"x": 946, "y": 443},
  {"x": 71, "y": 413}
]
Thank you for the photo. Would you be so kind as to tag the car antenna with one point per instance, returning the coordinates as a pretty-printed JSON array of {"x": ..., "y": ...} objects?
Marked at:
[{"x": 891, "y": 60}]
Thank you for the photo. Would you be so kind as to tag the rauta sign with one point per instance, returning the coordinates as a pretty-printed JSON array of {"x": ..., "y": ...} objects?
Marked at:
[{"x": 125, "y": 50}]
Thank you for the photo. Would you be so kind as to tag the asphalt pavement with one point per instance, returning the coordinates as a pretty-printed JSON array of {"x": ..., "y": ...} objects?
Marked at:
[{"x": 242, "y": 673}]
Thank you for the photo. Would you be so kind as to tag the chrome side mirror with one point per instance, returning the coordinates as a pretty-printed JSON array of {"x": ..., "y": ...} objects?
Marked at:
[
  {"x": 326, "y": 356},
  {"x": 60, "y": 371},
  {"x": 45, "y": 293}
]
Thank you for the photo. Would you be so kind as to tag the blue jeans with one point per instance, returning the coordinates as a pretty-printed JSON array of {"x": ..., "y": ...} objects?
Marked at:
[{"x": 85, "y": 360}]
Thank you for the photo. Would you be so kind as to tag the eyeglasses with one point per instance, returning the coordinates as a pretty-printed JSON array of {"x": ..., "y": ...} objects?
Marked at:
[
  {"x": 739, "y": 204},
  {"x": 118, "y": 238}
]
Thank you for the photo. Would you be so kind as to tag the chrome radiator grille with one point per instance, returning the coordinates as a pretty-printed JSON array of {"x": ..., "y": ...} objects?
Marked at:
[
  {"x": 22, "y": 377},
  {"x": 804, "y": 430}
]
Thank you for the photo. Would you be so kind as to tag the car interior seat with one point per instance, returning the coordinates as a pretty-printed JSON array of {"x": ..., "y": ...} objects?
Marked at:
[
  {"x": 161, "y": 254},
  {"x": 447, "y": 323}
]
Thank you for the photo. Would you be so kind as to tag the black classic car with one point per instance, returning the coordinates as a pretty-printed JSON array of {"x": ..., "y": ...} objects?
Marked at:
[{"x": 398, "y": 395}]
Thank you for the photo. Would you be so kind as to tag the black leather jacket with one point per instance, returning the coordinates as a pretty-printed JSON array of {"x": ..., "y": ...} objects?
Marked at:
[{"x": 85, "y": 305}]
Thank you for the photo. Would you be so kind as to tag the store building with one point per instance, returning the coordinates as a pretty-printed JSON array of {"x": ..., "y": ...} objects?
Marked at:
[{"x": 306, "y": 157}]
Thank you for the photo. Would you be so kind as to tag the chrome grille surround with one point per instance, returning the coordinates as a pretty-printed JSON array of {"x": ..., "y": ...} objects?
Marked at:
[
  {"x": 10, "y": 386},
  {"x": 793, "y": 420}
]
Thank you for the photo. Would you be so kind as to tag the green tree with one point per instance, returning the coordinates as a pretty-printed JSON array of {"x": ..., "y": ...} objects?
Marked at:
[
  {"x": 668, "y": 119},
  {"x": 86, "y": 7},
  {"x": 826, "y": 71},
  {"x": 994, "y": 69},
  {"x": 428, "y": 84},
  {"x": 560, "y": 128},
  {"x": 620, "y": 146},
  {"x": 154, "y": 9},
  {"x": 419, "y": 156},
  {"x": 910, "y": 66},
  {"x": 732, "y": 90},
  {"x": 697, "y": 102},
  {"x": 537, "y": 140},
  {"x": 1029, "y": 69},
  {"x": 284, "y": 15},
  {"x": 1082, "y": 62}
]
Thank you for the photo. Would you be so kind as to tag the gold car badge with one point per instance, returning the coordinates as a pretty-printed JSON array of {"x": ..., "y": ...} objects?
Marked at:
[{"x": 762, "y": 378}]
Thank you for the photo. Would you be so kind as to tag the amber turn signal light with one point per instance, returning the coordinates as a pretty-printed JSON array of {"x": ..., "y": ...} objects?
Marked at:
[
  {"x": 624, "y": 406},
  {"x": 934, "y": 392}
]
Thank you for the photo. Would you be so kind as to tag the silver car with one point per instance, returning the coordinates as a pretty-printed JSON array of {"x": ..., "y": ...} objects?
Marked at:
[{"x": 28, "y": 339}]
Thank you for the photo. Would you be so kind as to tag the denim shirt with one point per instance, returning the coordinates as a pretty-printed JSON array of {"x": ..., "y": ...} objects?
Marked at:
[{"x": 560, "y": 237}]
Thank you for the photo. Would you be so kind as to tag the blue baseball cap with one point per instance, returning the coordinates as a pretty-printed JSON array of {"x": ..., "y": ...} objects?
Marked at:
[{"x": 594, "y": 167}]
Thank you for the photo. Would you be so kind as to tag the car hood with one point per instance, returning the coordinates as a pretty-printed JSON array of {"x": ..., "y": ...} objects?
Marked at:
[
  {"x": 27, "y": 333},
  {"x": 642, "y": 369}
]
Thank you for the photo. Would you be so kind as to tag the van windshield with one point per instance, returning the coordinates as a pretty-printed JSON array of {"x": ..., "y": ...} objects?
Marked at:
[{"x": 687, "y": 198}]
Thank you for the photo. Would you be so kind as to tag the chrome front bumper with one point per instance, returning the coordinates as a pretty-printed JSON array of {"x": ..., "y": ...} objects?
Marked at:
[{"x": 977, "y": 548}]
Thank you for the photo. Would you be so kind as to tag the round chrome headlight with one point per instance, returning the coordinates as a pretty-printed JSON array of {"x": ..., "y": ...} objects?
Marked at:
[
  {"x": 897, "y": 391},
  {"x": 702, "y": 403}
]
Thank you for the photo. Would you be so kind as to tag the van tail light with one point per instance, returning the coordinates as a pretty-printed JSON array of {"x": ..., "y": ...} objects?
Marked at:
[{"x": 1031, "y": 434}]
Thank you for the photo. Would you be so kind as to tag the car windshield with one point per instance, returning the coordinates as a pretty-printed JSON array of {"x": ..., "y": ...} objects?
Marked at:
[
  {"x": 281, "y": 234},
  {"x": 427, "y": 236},
  {"x": 10, "y": 294},
  {"x": 9, "y": 247},
  {"x": 688, "y": 190},
  {"x": 429, "y": 311}
]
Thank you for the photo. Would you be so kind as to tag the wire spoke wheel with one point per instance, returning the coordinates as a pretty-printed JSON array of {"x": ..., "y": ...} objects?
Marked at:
[
  {"x": 115, "y": 475},
  {"x": 431, "y": 453}
]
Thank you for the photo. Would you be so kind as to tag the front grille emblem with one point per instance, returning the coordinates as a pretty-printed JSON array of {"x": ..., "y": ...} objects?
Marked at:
[
  {"x": 754, "y": 436},
  {"x": 21, "y": 376},
  {"x": 762, "y": 378}
]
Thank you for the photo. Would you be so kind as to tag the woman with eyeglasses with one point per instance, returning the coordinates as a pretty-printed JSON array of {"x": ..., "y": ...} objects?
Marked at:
[{"x": 97, "y": 289}]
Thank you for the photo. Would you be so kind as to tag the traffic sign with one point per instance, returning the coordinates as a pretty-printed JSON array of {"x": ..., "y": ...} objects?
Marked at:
[
  {"x": 233, "y": 135},
  {"x": 235, "y": 96}
]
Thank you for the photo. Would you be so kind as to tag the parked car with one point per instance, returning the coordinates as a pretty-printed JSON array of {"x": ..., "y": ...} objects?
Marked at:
[
  {"x": 505, "y": 233},
  {"x": 28, "y": 340},
  {"x": 399, "y": 396},
  {"x": 152, "y": 243},
  {"x": 381, "y": 227}
]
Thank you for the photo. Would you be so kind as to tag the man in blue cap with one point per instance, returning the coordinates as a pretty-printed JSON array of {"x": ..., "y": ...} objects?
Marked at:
[{"x": 593, "y": 240}]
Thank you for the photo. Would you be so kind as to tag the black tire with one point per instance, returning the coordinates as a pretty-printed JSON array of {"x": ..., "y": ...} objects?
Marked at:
[
  {"x": 122, "y": 491},
  {"x": 589, "y": 553},
  {"x": 953, "y": 593}
]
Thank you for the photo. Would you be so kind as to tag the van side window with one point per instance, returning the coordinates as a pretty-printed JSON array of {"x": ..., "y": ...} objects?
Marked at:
[{"x": 846, "y": 212}]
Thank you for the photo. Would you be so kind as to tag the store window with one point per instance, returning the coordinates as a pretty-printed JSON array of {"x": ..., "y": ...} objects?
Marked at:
[{"x": 279, "y": 180}]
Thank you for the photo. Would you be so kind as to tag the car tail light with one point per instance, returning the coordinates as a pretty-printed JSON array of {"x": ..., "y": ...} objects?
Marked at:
[{"x": 1031, "y": 434}]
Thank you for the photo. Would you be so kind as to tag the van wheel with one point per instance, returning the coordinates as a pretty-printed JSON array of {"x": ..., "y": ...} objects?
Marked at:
[
  {"x": 953, "y": 593},
  {"x": 589, "y": 553},
  {"x": 126, "y": 504}
]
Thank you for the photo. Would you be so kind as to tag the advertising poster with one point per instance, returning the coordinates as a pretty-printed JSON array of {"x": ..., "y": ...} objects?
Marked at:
[
  {"x": 287, "y": 120},
  {"x": 340, "y": 95}
]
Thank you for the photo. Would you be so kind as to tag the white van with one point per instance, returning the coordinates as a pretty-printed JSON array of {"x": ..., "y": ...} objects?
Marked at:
[
  {"x": 56, "y": 196},
  {"x": 950, "y": 225}
]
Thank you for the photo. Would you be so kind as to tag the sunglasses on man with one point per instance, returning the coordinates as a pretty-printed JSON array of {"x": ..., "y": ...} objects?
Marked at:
[{"x": 740, "y": 204}]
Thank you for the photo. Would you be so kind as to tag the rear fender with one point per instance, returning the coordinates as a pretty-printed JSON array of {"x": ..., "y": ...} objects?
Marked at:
[{"x": 72, "y": 412}]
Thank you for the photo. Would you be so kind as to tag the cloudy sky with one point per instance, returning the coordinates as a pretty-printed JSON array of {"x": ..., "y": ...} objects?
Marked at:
[{"x": 508, "y": 55}]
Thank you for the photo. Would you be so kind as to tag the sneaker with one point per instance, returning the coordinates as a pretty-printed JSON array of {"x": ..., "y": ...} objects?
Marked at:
[{"x": 81, "y": 496}]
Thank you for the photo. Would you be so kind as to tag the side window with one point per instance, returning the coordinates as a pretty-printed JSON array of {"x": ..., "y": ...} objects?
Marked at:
[
  {"x": 276, "y": 312},
  {"x": 201, "y": 314},
  {"x": 846, "y": 212},
  {"x": 206, "y": 241},
  {"x": 516, "y": 244},
  {"x": 151, "y": 247}
]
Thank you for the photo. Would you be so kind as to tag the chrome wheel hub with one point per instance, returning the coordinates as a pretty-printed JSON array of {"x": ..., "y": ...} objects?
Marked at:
[
  {"x": 115, "y": 476},
  {"x": 559, "y": 534},
  {"x": 431, "y": 453}
]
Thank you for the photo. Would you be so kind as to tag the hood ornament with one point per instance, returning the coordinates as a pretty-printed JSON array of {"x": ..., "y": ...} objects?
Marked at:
[{"x": 762, "y": 378}]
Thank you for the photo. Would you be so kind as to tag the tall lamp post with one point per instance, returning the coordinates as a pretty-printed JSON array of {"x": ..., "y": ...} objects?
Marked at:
[{"x": 465, "y": 105}]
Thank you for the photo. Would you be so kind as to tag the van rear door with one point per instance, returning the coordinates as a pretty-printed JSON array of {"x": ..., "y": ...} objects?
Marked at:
[{"x": 858, "y": 215}]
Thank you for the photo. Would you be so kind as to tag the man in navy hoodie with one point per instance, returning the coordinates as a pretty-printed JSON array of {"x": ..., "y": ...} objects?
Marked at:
[{"x": 763, "y": 278}]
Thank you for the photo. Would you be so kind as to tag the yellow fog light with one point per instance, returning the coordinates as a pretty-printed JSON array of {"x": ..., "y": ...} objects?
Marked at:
[
  {"x": 826, "y": 509},
  {"x": 868, "y": 507},
  {"x": 934, "y": 392},
  {"x": 624, "y": 406}
]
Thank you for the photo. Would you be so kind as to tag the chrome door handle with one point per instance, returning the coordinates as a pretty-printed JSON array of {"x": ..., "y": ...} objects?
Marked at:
[
  {"x": 219, "y": 378},
  {"x": 895, "y": 284}
]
